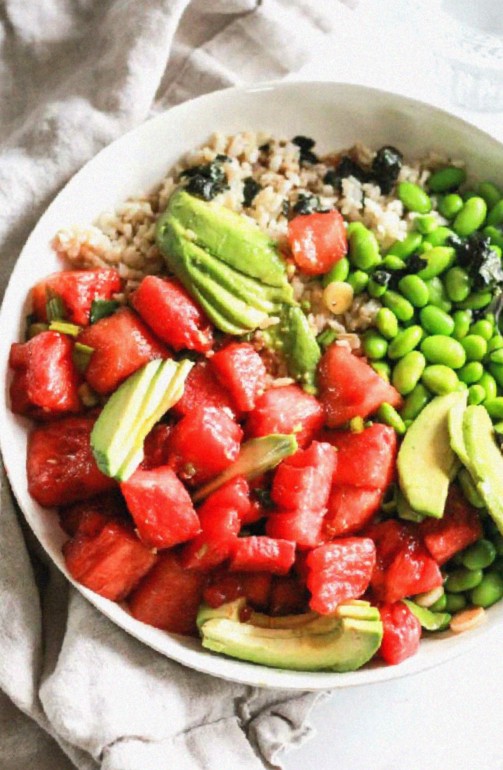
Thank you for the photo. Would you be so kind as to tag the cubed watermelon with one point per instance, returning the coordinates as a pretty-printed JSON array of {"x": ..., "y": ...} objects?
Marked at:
[
  {"x": 303, "y": 526},
  {"x": 77, "y": 289},
  {"x": 202, "y": 388},
  {"x": 304, "y": 480},
  {"x": 289, "y": 596},
  {"x": 262, "y": 554},
  {"x": 226, "y": 587},
  {"x": 349, "y": 510},
  {"x": 287, "y": 409},
  {"x": 459, "y": 527},
  {"x": 240, "y": 369},
  {"x": 88, "y": 517},
  {"x": 339, "y": 571},
  {"x": 401, "y": 632},
  {"x": 366, "y": 458}
]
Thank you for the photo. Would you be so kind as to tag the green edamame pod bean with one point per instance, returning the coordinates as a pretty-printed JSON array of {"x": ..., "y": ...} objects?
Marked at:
[
  {"x": 392, "y": 262},
  {"x": 407, "y": 374},
  {"x": 439, "y": 605},
  {"x": 497, "y": 372},
  {"x": 398, "y": 305},
  {"x": 389, "y": 416},
  {"x": 435, "y": 321},
  {"x": 438, "y": 259},
  {"x": 476, "y": 394},
  {"x": 476, "y": 300},
  {"x": 446, "y": 179},
  {"x": 490, "y": 193},
  {"x": 339, "y": 272},
  {"x": 457, "y": 284},
  {"x": 414, "y": 289},
  {"x": 414, "y": 198},
  {"x": 438, "y": 295},
  {"x": 440, "y": 349},
  {"x": 382, "y": 368},
  {"x": 495, "y": 407},
  {"x": 374, "y": 345},
  {"x": 363, "y": 249},
  {"x": 387, "y": 323},
  {"x": 462, "y": 320},
  {"x": 479, "y": 555},
  {"x": 463, "y": 580},
  {"x": 471, "y": 373},
  {"x": 484, "y": 328},
  {"x": 454, "y": 602},
  {"x": 353, "y": 226},
  {"x": 496, "y": 357},
  {"x": 426, "y": 223},
  {"x": 404, "y": 342},
  {"x": 494, "y": 234},
  {"x": 474, "y": 346},
  {"x": 358, "y": 281},
  {"x": 440, "y": 379},
  {"x": 495, "y": 343},
  {"x": 451, "y": 205},
  {"x": 407, "y": 247},
  {"x": 469, "y": 490},
  {"x": 498, "y": 428},
  {"x": 489, "y": 591},
  {"x": 376, "y": 289},
  {"x": 495, "y": 217},
  {"x": 415, "y": 402},
  {"x": 488, "y": 382},
  {"x": 471, "y": 217},
  {"x": 439, "y": 236}
]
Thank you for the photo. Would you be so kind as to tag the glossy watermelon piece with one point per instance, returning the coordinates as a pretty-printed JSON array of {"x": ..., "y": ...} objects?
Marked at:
[
  {"x": 401, "y": 632},
  {"x": 459, "y": 527},
  {"x": 349, "y": 387},
  {"x": 303, "y": 526},
  {"x": 169, "y": 596},
  {"x": 202, "y": 388},
  {"x": 77, "y": 289},
  {"x": 88, "y": 517},
  {"x": 304, "y": 480},
  {"x": 156, "y": 447},
  {"x": 121, "y": 344},
  {"x": 366, "y": 458},
  {"x": 339, "y": 571},
  {"x": 227, "y": 587},
  {"x": 60, "y": 465},
  {"x": 349, "y": 510},
  {"x": 161, "y": 507},
  {"x": 259, "y": 553},
  {"x": 317, "y": 241},
  {"x": 45, "y": 382},
  {"x": 204, "y": 443},
  {"x": 240, "y": 369},
  {"x": 110, "y": 562},
  {"x": 172, "y": 314},
  {"x": 289, "y": 596},
  {"x": 287, "y": 409}
]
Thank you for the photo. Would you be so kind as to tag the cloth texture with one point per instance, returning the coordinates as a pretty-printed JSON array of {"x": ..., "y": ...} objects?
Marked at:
[{"x": 75, "y": 690}]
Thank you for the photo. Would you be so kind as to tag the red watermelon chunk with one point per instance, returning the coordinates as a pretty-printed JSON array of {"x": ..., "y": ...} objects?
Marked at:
[
  {"x": 289, "y": 596},
  {"x": 350, "y": 509},
  {"x": 349, "y": 387},
  {"x": 169, "y": 596},
  {"x": 61, "y": 468},
  {"x": 161, "y": 507},
  {"x": 77, "y": 289},
  {"x": 121, "y": 344},
  {"x": 366, "y": 458},
  {"x": 303, "y": 526},
  {"x": 88, "y": 517},
  {"x": 172, "y": 314},
  {"x": 202, "y": 388},
  {"x": 110, "y": 562},
  {"x": 262, "y": 554},
  {"x": 156, "y": 447},
  {"x": 240, "y": 369},
  {"x": 401, "y": 632},
  {"x": 45, "y": 379},
  {"x": 288, "y": 409},
  {"x": 226, "y": 587},
  {"x": 304, "y": 479},
  {"x": 458, "y": 528},
  {"x": 339, "y": 571}
]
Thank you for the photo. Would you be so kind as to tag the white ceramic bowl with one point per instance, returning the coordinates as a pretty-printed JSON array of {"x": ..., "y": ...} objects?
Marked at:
[{"x": 336, "y": 115}]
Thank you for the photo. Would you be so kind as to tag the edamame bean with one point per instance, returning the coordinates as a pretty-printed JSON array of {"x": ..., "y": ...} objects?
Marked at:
[
  {"x": 387, "y": 323},
  {"x": 462, "y": 320},
  {"x": 495, "y": 217},
  {"x": 457, "y": 284},
  {"x": 489, "y": 591},
  {"x": 364, "y": 249},
  {"x": 469, "y": 490},
  {"x": 496, "y": 357},
  {"x": 476, "y": 300},
  {"x": 479, "y": 555},
  {"x": 414, "y": 289},
  {"x": 495, "y": 343},
  {"x": 358, "y": 281},
  {"x": 405, "y": 341},
  {"x": 398, "y": 305},
  {"x": 476, "y": 394},
  {"x": 440, "y": 349},
  {"x": 376, "y": 289},
  {"x": 483, "y": 328},
  {"x": 451, "y": 205},
  {"x": 471, "y": 373},
  {"x": 415, "y": 401},
  {"x": 414, "y": 198},
  {"x": 446, "y": 179},
  {"x": 435, "y": 321},
  {"x": 439, "y": 605},
  {"x": 495, "y": 407},
  {"x": 382, "y": 368},
  {"x": 407, "y": 247},
  {"x": 471, "y": 217},
  {"x": 490, "y": 193},
  {"x": 407, "y": 373},
  {"x": 439, "y": 236},
  {"x": 388, "y": 415},
  {"x": 463, "y": 580},
  {"x": 454, "y": 602},
  {"x": 438, "y": 296},
  {"x": 440, "y": 379},
  {"x": 494, "y": 234},
  {"x": 374, "y": 345},
  {"x": 488, "y": 382},
  {"x": 426, "y": 223},
  {"x": 497, "y": 372},
  {"x": 339, "y": 272},
  {"x": 474, "y": 346},
  {"x": 438, "y": 259},
  {"x": 392, "y": 262}
]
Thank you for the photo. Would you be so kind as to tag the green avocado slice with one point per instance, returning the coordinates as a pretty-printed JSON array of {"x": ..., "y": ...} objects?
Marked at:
[
  {"x": 300, "y": 346},
  {"x": 430, "y": 621},
  {"x": 485, "y": 461}
]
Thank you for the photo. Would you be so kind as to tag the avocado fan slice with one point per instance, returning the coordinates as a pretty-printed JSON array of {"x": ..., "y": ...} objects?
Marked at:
[
  {"x": 430, "y": 621},
  {"x": 485, "y": 461},
  {"x": 299, "y": 346}
]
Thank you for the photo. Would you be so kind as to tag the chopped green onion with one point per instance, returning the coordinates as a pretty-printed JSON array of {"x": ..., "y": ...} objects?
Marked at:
[
  {"x": 34, "y": 329},
  {"x": 102, "y": 308},
  {"x": 82, "y": 355},
  {"x": 326, "y": 337},
  {"x": 65, "y": 328},
  {"x": 54, "y": 306}
]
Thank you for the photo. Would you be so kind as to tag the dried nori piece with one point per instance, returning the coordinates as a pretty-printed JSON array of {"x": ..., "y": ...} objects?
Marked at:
[
  {"x": 306, "y": 204},
  {"x": 305, "y": 145},
  {"x": 207, "y": 180},
  {"x": 474, "y": 253},
  {"x": 386, "y": 167},
  {"x": 382, "y": 277},
  {"x": 250, "y": 189}
]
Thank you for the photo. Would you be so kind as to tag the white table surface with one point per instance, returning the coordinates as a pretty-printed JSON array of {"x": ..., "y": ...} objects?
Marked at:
[{"x": 450, "y": 717}]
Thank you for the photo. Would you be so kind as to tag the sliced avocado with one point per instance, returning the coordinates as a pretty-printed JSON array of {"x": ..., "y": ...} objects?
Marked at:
[
  {"x": 131, "y": 412},
  {"x": 405, "y": 511},
  {"x": 300, "y": 346},
  {"x": 469, "y": 489},
  {"x": 426, "y": 463},
  {"x": 430, "y": 621},
  {"x": 257, "y": 456},
  {"x": 231, "y": 237},
  {"x": 455, "y": 423},
  {"x": 485, "y": 461},
  {"x": 342, "y": 642}
]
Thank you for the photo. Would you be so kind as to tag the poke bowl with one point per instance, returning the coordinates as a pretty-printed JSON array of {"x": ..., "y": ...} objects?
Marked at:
[{"x": 252, "y": 373}]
